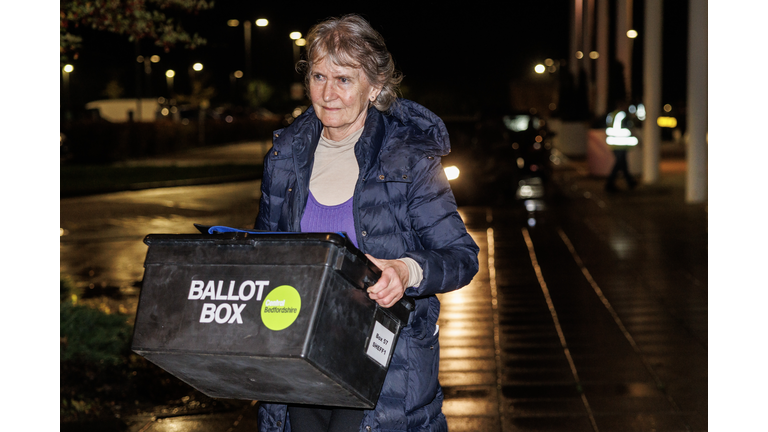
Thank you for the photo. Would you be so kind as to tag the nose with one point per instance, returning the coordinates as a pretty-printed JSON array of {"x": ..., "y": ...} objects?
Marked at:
[{"x": 329, "y": 92}]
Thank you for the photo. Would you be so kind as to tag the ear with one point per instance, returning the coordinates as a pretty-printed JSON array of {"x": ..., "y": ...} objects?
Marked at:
[{"x": 374, "y": 93}]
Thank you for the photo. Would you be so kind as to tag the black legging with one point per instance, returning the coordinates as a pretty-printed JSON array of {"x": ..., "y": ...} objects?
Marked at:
[
  {"x": 620, "y": 166},
  {"x": 312, "y": 419}
]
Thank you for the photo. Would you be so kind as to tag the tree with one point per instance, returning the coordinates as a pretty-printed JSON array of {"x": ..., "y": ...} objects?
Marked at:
[
  {"x": 137, "y": 19},
  {"x": 258, "y": 92}
]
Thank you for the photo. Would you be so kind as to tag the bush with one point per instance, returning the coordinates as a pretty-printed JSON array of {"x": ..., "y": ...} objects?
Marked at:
[
  {"x": 92, "y": 336},
  {"x": 101, "y": 381},
  {"x": 89, "y": 335}
]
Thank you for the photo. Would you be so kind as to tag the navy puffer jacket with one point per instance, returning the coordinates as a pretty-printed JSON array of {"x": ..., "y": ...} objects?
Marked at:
[{"x": 403, "y": 207}]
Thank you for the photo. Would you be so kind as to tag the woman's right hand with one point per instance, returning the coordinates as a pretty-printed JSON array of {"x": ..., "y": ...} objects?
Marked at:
[{"x": 390, "y": 287}]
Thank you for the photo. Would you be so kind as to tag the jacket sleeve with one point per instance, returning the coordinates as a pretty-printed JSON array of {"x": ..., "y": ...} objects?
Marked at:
[
  {"x": 262, "y": 218},
  {"x": 448, "y": 255}
]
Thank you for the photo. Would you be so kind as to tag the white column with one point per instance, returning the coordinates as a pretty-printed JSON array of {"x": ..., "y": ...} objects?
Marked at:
[
  {"x": 652, "y": 90},
  {"x": 623, "y": 52},
  {"x": 576, "y": 39},
  {"x": 601, "y": 74},
  {"x": 696, "y": 152},
  {"x": 587, "y": 12}
]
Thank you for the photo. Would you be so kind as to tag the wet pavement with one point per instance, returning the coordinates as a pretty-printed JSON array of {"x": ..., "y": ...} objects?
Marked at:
[{"x": 588, "y": 315}]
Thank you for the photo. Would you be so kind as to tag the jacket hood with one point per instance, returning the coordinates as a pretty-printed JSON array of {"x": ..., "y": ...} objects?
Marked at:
[
  {"x": 409, "y": 112},
  {"x": 405, "y": 111}
]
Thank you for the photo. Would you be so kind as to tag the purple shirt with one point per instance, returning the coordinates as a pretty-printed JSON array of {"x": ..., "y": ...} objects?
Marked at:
[{"x": 322, "y": 218}]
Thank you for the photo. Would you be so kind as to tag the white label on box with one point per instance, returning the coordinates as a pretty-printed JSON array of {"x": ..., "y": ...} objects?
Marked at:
[{"x": 382, "y": 341}]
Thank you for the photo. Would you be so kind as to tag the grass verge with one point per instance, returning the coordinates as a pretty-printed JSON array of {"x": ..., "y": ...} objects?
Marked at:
[{"x": 76, "y": 180}]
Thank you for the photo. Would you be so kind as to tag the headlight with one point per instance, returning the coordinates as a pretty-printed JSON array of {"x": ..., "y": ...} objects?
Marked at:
[
  {"x": 452, "y": 172},
  {"x": 530, "y": 188}
]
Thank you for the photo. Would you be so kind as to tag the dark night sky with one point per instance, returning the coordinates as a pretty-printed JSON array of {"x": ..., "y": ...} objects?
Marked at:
[{"x": 472, "y": 49}]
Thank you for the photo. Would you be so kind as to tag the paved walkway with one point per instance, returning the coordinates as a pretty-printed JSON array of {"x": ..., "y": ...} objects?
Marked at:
[{"x": 589, "y": 315}]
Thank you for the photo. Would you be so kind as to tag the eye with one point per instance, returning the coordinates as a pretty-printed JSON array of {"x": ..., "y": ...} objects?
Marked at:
[{"x": 344, "y": 80}]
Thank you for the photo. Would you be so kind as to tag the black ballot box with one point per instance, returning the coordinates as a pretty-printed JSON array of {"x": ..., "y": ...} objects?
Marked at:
[{"x": 274, "y": 317}]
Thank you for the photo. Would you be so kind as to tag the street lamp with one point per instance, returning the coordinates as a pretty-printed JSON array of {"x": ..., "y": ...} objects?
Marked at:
[
  {"x": 551, "y": 66},
  {"x": 197, "y": 67},
  {"x": 261, "y": 22},
  {"x": 65, "y": 71},
  {"x": 169, "y": 74},
  {"x": 296, "y": 37},
  {"x": 547, "y": 71},
  {"x": 233, "y": 77},
  {"x": 148, "y": 68},
  {"x": 247, "y": 34}
]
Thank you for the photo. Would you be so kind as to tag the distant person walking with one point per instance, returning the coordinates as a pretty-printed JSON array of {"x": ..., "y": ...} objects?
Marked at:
[{"x": 619, "y": 138}]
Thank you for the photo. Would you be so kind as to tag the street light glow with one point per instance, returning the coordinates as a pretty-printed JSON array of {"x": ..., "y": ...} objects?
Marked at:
[
  {"x": 594, "y": 55},
  {"x": 154, "y": 58},
  {"x": 452, "y": 172},
  {"x": 197, "y": 67},
  {"x": 238, "y": 74},
  {"x": 170, "y": 73},
  {"x": 262, "y": 22},
  {"x": 233, "y": 23},
  {"x": 69, "y": 68},
  {"x": 295, "y": 35},
  {"x": 632, "y": 34},
  {"x": 301, "y": 42},
  {"x": 539, "y": 68},
  {"x": 666, "y": 122}
]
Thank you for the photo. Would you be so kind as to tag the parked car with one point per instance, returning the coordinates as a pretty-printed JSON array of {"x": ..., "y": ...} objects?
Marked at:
[{"x": 496, "y": 156}]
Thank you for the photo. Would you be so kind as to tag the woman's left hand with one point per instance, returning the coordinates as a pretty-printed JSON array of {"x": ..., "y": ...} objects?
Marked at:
[{"x": 391, "y": 285}]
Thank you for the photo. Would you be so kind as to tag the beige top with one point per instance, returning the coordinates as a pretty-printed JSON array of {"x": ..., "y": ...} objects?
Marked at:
[
  {"x": 335, "y": 170},
  {"x": 334, "y": 176}
]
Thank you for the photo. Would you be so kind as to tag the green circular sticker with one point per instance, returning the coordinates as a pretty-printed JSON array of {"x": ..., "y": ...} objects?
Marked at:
[{"x": 280, "y": 308}]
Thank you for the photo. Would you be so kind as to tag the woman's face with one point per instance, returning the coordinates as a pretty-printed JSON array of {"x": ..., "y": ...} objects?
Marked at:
[{"x": 340, "y": 96}]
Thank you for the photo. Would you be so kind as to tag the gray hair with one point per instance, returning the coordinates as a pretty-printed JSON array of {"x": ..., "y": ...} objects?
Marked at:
[{"x": 350, "y": 41}]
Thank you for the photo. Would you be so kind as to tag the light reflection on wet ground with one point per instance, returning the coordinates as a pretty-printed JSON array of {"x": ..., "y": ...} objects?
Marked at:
[
  {"x": 504, "y": 366},
  {"x": 102, "y": 248},
  {"x": 630, "y": 298}
]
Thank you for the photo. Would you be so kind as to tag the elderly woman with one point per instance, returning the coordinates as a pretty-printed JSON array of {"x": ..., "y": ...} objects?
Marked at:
[{"x": 362, "y": 161}]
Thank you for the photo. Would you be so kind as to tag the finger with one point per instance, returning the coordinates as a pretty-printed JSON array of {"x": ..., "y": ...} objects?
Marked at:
[
  {"x": 380, "y": 285},
  {"x": 374, "y": 260},
  {"x": 379, "y": 293},
  {"x": 389, "y": 300},
  {"x": 388, "y": 296}
]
